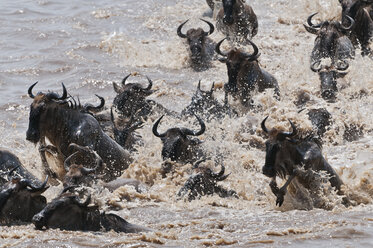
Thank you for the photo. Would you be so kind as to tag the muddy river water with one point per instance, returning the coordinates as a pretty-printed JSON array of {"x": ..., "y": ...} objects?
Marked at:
[{"x": 89, "y": 44}]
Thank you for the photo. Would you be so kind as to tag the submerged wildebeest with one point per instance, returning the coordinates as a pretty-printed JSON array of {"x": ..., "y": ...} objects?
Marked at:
[
  {"x": 204, "y": 183},
  {"x": 200, "y": 46},
  {"x": 294, "y": 157},
  {"x": 237, "y": 20},
  {"x": 333, "y": 44},
  {"x": 131, "y": 98},
  {"x": 21, "y": 199},
  {"x": 68, "y": 212},
  {"x": 362, "y": 31},
  {"x": 178, "y": 146},
  {"x": 11, "y": 163},
  {"x": 52, "y": 118},
  {"x": 126, "y": 137},
  {"x": 204, "y": 104},
  {"x": 245, "y": 74}
]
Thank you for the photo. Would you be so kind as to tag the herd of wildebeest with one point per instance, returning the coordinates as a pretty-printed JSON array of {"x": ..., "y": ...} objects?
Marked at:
[{"x": 91, "y": 143}]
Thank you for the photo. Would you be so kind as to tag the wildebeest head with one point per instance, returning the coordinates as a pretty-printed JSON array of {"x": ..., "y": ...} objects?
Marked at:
[
  {"x": 123, "y": 136},
  {"x": 205, "y": 183},
  {"x": 20, "y": 199},
  {"x": 37, "y": 109},
  {"x": 68, "y": 212},
  {"x": 327, "y": 41},
  {"x": 77, "y": 174},
  {"x": 228, "y": 6},
  {"x": 196, "y": 39},
  {"x": 235, "y": 61},
  {"x": 177, "y": 145},
  {"x": 131, "y": 94},
  {"x": 273, "y": 146}
]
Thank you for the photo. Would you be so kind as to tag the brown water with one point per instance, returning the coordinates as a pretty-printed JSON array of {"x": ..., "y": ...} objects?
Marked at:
[{"x": 89, "y": 44}]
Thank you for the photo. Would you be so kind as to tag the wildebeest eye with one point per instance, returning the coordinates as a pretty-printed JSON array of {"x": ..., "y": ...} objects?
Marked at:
[{"x": 223, "y": 60}]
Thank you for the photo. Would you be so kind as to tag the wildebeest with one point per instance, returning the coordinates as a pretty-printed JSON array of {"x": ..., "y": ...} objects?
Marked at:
[
  {"x": 320, "y": 119},
  {"x": 204, "y": 183},
  {"x": 11, "y": 163},
  {"x": 52, "y": 118},
  {"x": 362, "y": 31},
  {"x": 177, "y": 144},
  {"x": 200, "y": 47},
  {"x": 21, "y": 199},
  {"x": 78, "y": 174},
  {"x": 333, "y": 44},
  {"x": 293, "y": 157},
  {"x": 245, "y": 74},
  {"x": 126, "y": 137},
  {"x": 204, "y": 104},
  {"x": 237, "y": 20},
  {"x": 131, "y": 98},
  {"x": 68, "y": 212}
]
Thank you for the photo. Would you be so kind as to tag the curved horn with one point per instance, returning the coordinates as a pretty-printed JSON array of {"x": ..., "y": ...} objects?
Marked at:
[
  {"x": 195, "y": 166},
  {"x": 212, "y": 29},
  {"x": 99, "y": 164},
  {"x": 150, "y": 84},
  {"x": 289, "y": 134},
  {"x": 125, "y": 79},
  {"x": 263, "y": 125},
  {"x": 201, "y": 131},
  {"x": 64, "y": 94},
  {"x": 217, "y": 48},
  {"x": 352, "y": 22},
  {"x": 34, "y": 188},
  {"x": 314, "y": 64},
  {"x": 90, "y": 107},
  {"x": 309, "y": 21},
  {"x": 212, "y": 87},
  {"x": 155, "y": 127},
  {"x": 199, "y": 85},
  {"x": 30, "y": 90},
  {"x": 179, "y": 33},
  {"x": 255, "y": 54},
  {"x": 221, "y": 173},
  {"x": 66, "y": 163}
]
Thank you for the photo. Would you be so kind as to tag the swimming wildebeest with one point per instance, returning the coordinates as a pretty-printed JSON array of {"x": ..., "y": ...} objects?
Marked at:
[
  {"x": 68, "y": 212},
  {"x": 199, "y": 45},
  {"x": 205, "y": 183},
  {"x": 52, "y": 118},
  {"x": 78, "y": 174},
  {"x": 245, "y": 74},
  {"x": 126, "y": 136},
  {"x": 131, "y": 98},
  {"x": 21, "y": 199},
  {"x": 10, "y": 162},
  {"x": 286, "y": 155},
  {"x": 204, "y": 104},
  {"x": 178, "y": 146},
  {"x": 331, "y": 43},
  {"x": 362, "y": 31},
  {"x": 237, "y": 20}
]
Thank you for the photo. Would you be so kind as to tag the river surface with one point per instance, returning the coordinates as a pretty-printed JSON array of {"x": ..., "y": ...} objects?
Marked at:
[{"x": 88, "y": 45}]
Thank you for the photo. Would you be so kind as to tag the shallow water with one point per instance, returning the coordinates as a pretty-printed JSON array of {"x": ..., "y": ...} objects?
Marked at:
[{"x": 90, "y": 44}]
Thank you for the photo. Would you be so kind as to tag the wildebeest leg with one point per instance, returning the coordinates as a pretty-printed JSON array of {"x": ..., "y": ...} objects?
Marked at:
[{"x": 282, "y": 191}]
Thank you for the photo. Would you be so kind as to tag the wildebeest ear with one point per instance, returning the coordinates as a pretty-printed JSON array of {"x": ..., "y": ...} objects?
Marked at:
[{"x": 117, "y": 88}]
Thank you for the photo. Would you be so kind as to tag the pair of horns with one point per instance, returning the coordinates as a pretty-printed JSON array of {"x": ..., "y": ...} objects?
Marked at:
[
  {"x": 186, "y": 131},
  {"x": 116, "y": 87},
  {"x": 52, "y": 96},
  {"x": 281, "y": 135},
  {"x": 181, "y": 35},
  {"x": 313, "y": 28},
  {"x": 250, "y": 57},
  {"x": 217, "y": 176},
  {"x": 342, "y": 65}
]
